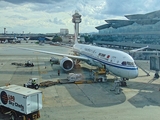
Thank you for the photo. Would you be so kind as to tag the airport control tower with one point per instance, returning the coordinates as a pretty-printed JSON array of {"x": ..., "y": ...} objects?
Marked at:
[{"x": 76, "y": 19}]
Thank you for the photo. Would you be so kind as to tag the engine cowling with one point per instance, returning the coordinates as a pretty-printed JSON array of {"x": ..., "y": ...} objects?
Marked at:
[{"x": 67, "y": 64}]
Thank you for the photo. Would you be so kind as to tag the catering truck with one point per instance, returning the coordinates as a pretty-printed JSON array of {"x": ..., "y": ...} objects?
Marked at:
[{"x": 20, "y": 103}]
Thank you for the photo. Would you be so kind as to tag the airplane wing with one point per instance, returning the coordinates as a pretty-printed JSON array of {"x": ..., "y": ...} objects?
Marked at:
[
  {"x": 135, "y": 50},
  {"x": 57, "y": 54}
]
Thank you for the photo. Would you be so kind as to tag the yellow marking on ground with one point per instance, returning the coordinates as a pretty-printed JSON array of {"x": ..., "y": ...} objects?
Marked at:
[{"x": 43, "y": 72}]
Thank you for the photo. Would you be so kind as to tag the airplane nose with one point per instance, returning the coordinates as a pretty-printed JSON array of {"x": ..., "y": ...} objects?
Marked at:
[{"x": 134, "y": 74}]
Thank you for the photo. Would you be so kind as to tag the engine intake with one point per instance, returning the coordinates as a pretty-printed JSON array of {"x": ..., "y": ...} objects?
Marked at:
[{"x": 66, "y": 64}]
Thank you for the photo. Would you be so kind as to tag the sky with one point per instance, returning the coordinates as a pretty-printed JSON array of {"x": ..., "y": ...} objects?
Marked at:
[{"x": 49, "y": 16}]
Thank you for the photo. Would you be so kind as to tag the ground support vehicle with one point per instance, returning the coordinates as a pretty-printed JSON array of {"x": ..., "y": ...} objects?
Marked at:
[
  {"x": 48, "y": 83},
  {"x": 32, "y": 83},
  {"x": 29, "y": 64},
  {"x": 20, "y": 103},
  {"x": 54, "y": 61},
  {"x": 72, "y": 77}
]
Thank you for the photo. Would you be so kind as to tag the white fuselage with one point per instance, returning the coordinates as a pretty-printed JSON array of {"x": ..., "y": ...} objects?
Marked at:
[{"x": 117, "y": 62}]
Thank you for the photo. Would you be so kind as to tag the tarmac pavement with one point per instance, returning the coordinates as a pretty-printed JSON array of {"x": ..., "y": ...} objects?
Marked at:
[{"x": 139, "y": 100}]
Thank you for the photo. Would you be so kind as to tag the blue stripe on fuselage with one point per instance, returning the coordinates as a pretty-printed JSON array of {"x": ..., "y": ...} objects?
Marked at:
[{"x": 108, "y": 63}]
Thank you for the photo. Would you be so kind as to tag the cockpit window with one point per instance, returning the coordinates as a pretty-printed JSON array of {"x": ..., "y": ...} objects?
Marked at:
[
  {"x": 128, "y": 63},
  {"x": 124, "y": 63}
]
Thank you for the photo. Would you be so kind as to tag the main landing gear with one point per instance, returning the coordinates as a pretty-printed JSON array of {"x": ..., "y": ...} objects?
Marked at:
[
  {"x": 156, "y": 75},
  {"x": 123, "y": 82}
]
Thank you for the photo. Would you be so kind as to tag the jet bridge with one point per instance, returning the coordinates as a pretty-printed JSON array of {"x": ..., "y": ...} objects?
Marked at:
[{"x": 155, "y": 65}]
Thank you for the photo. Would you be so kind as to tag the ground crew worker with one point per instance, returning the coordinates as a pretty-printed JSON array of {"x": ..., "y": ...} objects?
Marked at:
[
  {"x": 33, "y": 82},
  {"x": 58, "y": 72}
]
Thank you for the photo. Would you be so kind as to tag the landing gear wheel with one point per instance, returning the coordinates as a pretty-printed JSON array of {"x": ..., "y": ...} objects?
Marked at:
[
  {"x": 36, "y": 86},
  {"x": 13, "y": 116},
  {"x": 156, "y": 75},
  {"x": 1, "y": 110},
  {"x": 123, "y": 84},
  {"x": 32, "y": 65}
]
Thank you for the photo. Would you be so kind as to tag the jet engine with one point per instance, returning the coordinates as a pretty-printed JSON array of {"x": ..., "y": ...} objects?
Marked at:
[{"x": 67, "y": 64}]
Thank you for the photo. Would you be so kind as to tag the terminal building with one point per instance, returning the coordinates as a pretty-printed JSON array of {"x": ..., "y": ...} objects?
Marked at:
[
  {"x": 137, "y": 28},
  {"x": 64, "y": 31}
]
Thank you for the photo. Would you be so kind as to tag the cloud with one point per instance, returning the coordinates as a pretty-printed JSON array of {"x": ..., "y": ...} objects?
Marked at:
[
  {"x": 129, "y": 7},
  {"x": 51, "y": 15},
  {"x": 32, "y": 1},
  {"x": 17, "y": 17},
  {"x": 57, "y": 21}
]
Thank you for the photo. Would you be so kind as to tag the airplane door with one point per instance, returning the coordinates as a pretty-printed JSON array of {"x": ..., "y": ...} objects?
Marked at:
[
  {"x": 112, "y": 68},
  {"x": 113, "y": 59}
]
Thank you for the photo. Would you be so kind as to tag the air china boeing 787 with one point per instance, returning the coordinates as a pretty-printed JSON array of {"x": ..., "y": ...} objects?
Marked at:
[{"x": 117, "y": 62}]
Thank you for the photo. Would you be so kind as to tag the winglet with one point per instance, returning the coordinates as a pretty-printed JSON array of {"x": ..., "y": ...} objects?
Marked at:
[{"x": 135, "y": 50}]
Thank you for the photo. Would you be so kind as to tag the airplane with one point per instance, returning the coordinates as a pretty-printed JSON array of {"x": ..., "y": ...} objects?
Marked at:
[{"x": 117, "y": 62}]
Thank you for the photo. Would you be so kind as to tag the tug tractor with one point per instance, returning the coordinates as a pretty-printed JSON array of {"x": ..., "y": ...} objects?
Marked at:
[
  {"x": 29, "y": 64},
  {"x": 54, "y": 60},
  {"x": 32, "y": 83}
]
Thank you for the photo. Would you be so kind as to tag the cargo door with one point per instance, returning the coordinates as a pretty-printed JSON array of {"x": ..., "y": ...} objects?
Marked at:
[
  {"x": 34, "y": 103},
  {"x": 113, "y": 67},
  {"x": 113, "y": 59}
]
